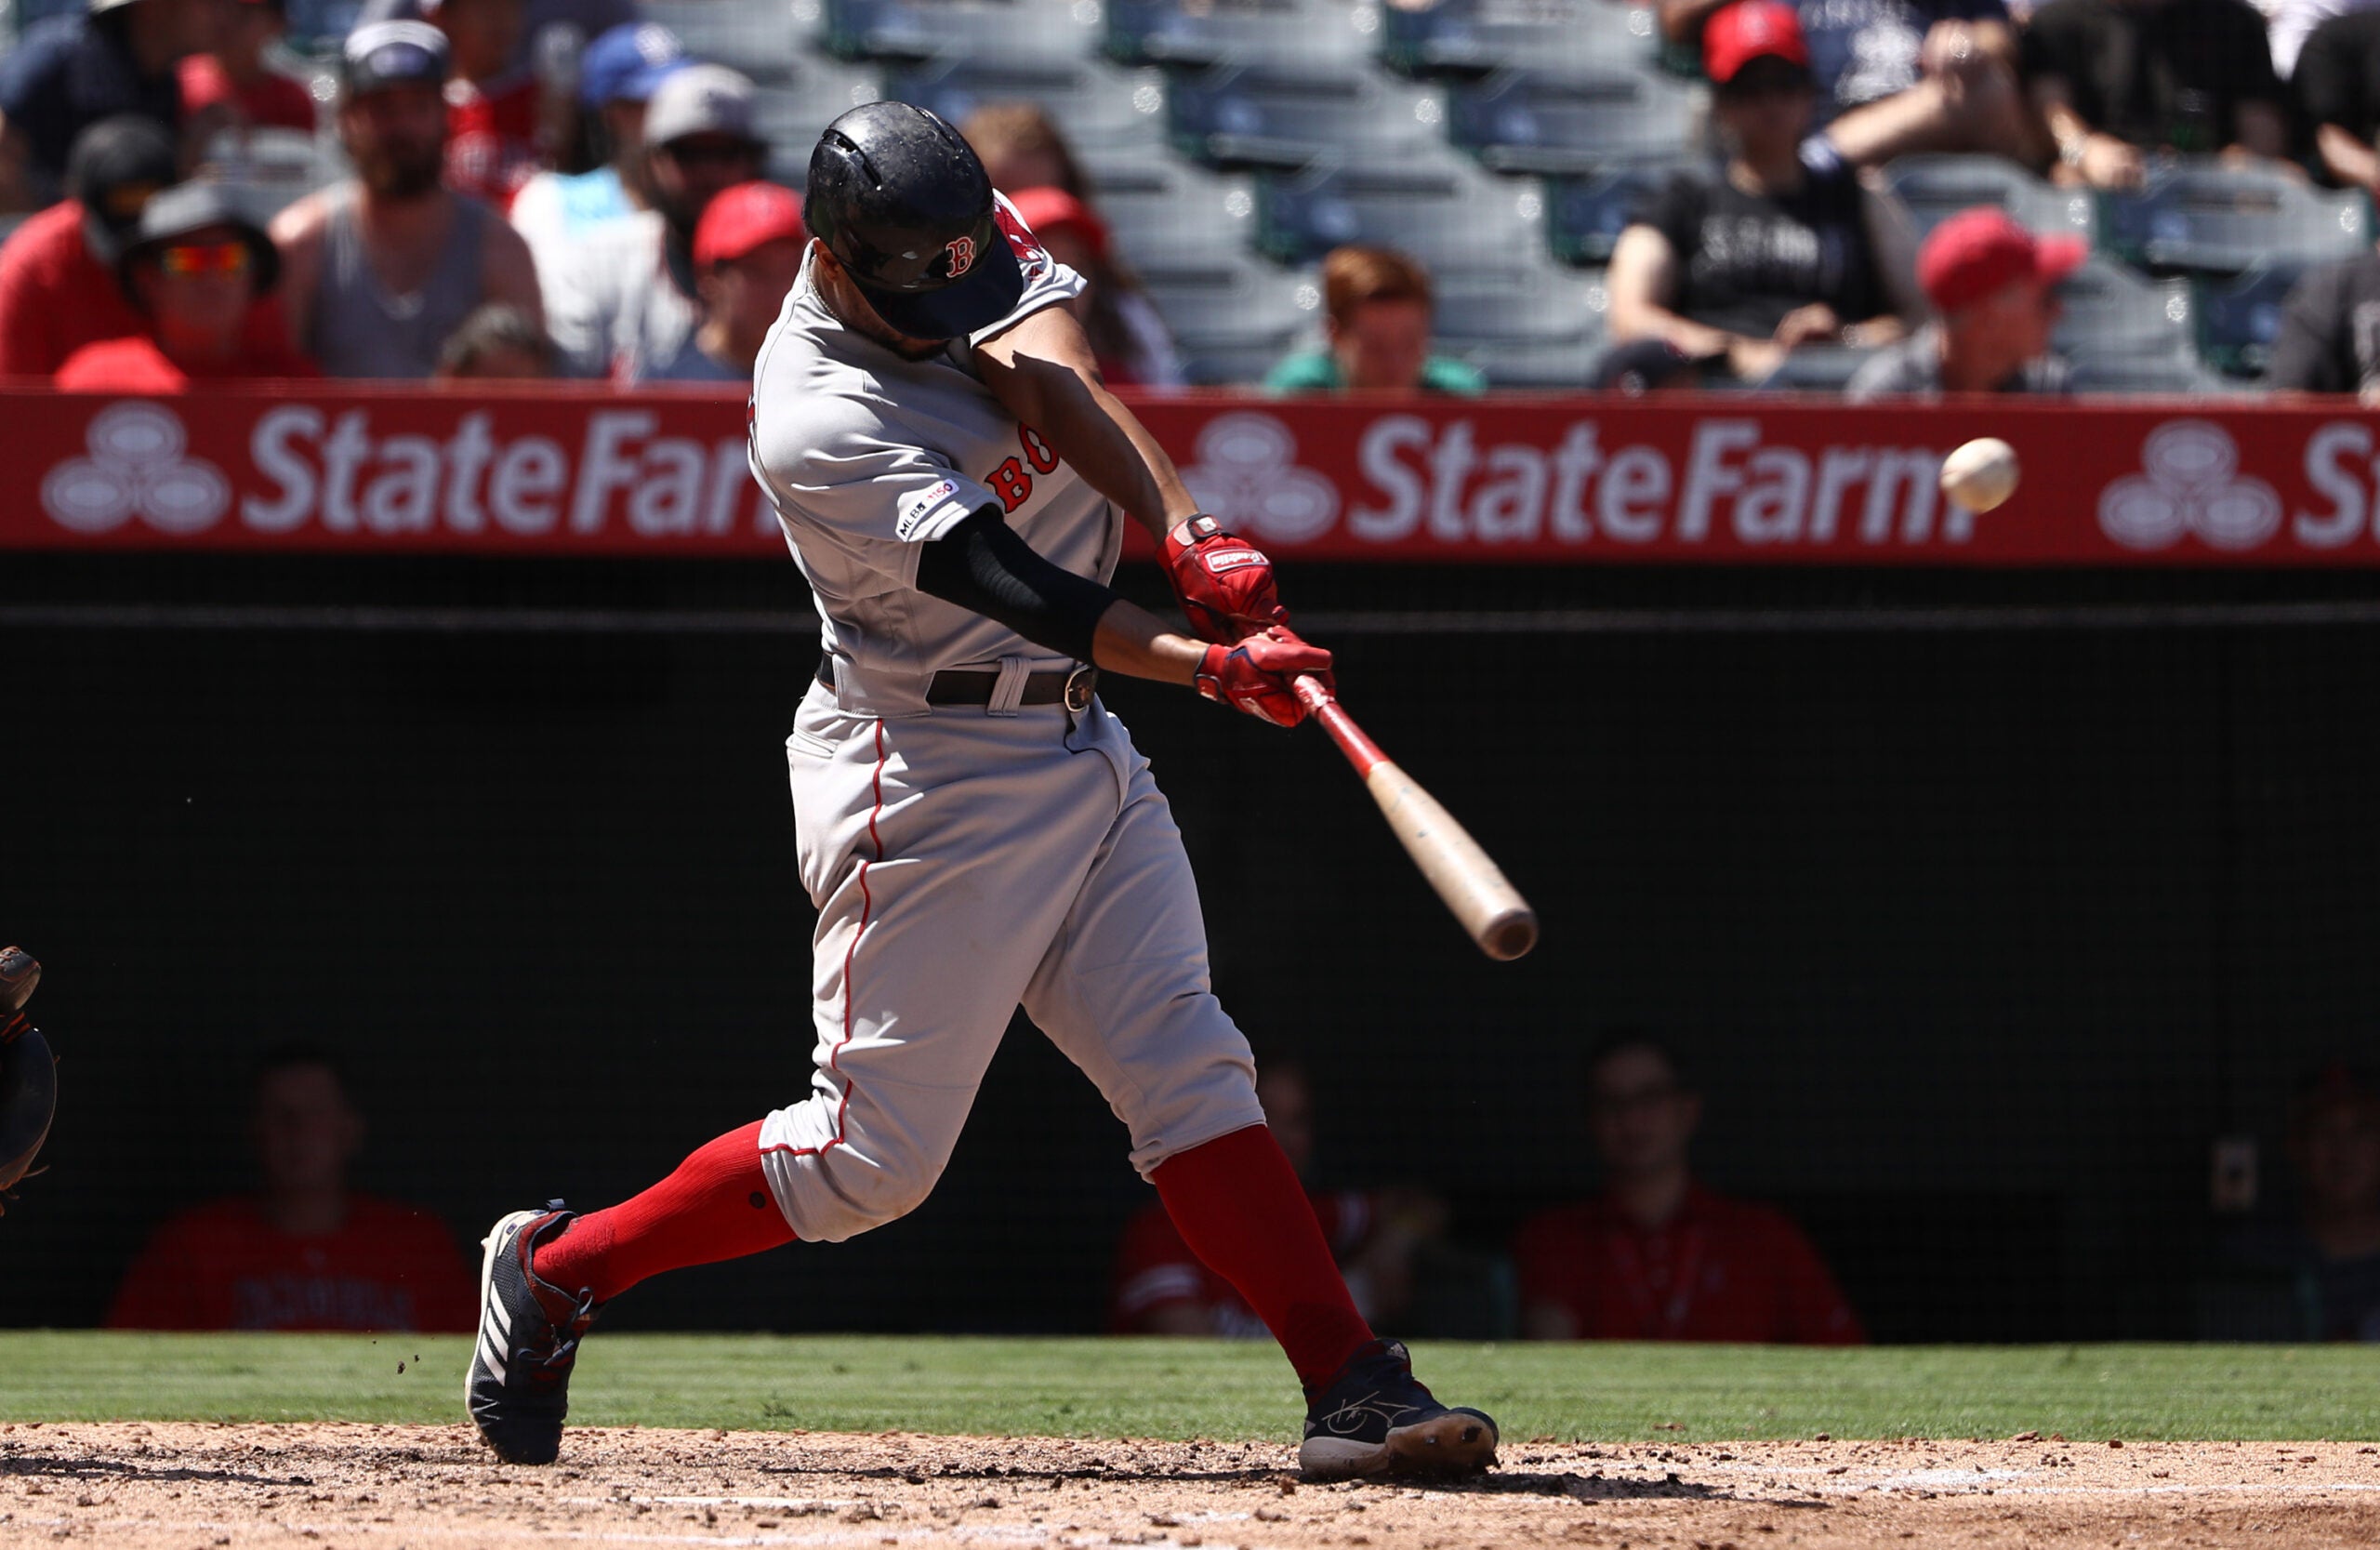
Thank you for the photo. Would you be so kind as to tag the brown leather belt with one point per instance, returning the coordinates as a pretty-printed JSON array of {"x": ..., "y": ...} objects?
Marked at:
[{"x": 1072, "y": 688}]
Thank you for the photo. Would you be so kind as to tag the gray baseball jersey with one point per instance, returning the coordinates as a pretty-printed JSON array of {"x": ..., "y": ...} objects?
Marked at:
[
  {"x": 867, "y": 457},
  {"x": 963, "y": 859}
]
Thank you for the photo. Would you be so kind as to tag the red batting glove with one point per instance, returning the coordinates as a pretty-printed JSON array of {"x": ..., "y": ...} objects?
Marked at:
[
  {"x": 1255, "y": 675},
  {"x": 1224, "y": 584}
]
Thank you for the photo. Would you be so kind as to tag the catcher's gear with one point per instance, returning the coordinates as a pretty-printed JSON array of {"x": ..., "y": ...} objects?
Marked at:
[
  {"x": 1224, "y": 583},
  {"x": 1253, "y": 676},
  {"x": 28, "y": 1071}
]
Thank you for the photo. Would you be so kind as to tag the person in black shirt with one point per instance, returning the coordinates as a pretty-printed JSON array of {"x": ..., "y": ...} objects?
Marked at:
[
  {"x": 2330, "y": 333},
  {"x": 2117, "y": 79},
  {"x": 71, "y": 71},
  {"x": 1771, "y": 251},
  {"x": 2338, "y": 84}
]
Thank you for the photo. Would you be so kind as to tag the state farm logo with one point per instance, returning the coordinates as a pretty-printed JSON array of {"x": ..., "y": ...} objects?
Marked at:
[
  {"x": 2191, "y": 484},
  {"x": 1246, "y": 478},
  {"x": 136, "y": 468}
]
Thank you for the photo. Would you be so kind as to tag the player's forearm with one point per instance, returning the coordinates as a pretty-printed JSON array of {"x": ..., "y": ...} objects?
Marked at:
[
  {"x": 1133, "y": 642},
  {"x": 1110, "y": 449}
]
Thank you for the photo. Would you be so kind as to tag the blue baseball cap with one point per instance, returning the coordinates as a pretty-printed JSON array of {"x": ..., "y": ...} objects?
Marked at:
[{"x": 626, "y": 63}]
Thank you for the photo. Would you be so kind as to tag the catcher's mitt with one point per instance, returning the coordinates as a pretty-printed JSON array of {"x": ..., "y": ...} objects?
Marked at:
[{"x": 28, "y": 1071}]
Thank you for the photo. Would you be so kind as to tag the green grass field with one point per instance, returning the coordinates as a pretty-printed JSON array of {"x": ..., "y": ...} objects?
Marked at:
[{"x": 1181, "y": 1388}]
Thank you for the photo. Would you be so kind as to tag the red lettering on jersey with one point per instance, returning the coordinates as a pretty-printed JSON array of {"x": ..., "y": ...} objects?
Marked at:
[
  {"x": 1030, "y": 254},
  {"x": 1014, "y": 485},
  {"x": 1036, "y": 451}
]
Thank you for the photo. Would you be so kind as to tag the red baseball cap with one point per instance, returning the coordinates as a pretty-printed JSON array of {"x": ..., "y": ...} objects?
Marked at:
[
  {"x": 1752, "y": 30},
  {"x": 1049, "y": 208},
  {"x": 742, "y": 217},
  {"x": 1979, "y": 252}
]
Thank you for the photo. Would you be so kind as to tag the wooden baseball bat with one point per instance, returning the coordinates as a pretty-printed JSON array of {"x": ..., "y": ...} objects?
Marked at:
[{"x": 1489, "y": 908}]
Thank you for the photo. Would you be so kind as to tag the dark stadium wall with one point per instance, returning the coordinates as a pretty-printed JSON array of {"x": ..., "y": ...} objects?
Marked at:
[{"x": 1977, "y": 937}]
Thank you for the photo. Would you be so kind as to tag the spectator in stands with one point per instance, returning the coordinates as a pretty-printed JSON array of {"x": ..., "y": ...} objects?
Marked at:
[
  {"x": 748, "y": 248},
  {"x": 2116, "y": 80},
  {"x": 196, "y": 268},
  {"x": 380, "y": 270},
  {"x": 1162, "y": 1288},
  {"x": 1776, "y": 250},
  {"x": 498, "y": 342},
  {"x": 626, "y": 306},
  {"x": 491, "y": 103},
  {"x": 233, "y": 83},
  {"x": 1376, "y": 330},
  {"x": 1896, "y": 76},
  {"x": 2329, "y": 340},
  {"x": 2331, "y": 1250},
  {"x": 1126, "y": 336},
  {"x": 2291, "y": 24},
  {"x": 555, "y": 211},
  {"x": 1022, "y": 148},
  {"x": 305, "y": 1252},
  {"x": 1657, "y": 1257},
  {"x": 2338, "y": 84},
  {"x": 58, "y": 285},
  {"x": 72, "y": 70},
  {"x": 1993, "y": 288}
]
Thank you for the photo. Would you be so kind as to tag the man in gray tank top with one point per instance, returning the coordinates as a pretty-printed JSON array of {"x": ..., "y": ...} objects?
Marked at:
[{"x": 380, "y": 270}]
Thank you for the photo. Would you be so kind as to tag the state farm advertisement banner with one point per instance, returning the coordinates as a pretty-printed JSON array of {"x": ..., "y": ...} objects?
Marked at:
[{"x": 1716, "y": 478}]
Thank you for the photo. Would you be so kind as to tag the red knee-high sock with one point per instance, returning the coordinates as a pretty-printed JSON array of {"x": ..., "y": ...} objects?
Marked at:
[
  {"x": 1238, "y": 1204},
  {"x": 716, "y": 1206}
]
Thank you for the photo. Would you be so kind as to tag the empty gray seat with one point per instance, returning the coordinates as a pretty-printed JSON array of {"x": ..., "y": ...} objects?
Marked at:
[
  {"x": 2130, "y": 376},
  {"x": 1935, "y": 188},
  {"x": 1462, "y": 38},
  {"x": 1577, "y": 121},
  {"x": 2238, "y": 319},
  {"x": 765, "y": 39},
  {"x": 2112, "y": 312},
  {"x": 912, "y": 29},
  {"x": 1159, "y": 205},
  {"x": 1445, "y": 212},
  {"x": 1522, "y": 328},
  {"x": 1168, "y": 33},
  {"x": 1094, "y": 103},
  {"x": 2206, "y": 216},
  {"x": 1231, "y": 316},
  {"x": 1585, "y": 215},
  {"x": 1288, "y": 115}
]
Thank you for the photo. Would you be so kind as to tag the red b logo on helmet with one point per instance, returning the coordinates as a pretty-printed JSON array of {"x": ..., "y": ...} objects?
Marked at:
[{"x": 962, "y": 256}]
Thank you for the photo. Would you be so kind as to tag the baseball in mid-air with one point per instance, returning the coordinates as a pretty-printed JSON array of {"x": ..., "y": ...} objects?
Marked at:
[{"x": 1981, "y": 473}]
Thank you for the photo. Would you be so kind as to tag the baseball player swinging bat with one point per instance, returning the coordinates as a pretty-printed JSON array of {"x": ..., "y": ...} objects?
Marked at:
[{"x": 1489, "y": 908}]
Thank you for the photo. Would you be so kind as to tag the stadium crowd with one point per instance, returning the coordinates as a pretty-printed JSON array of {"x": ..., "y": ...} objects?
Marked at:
[{"x": 468, "y": 188}]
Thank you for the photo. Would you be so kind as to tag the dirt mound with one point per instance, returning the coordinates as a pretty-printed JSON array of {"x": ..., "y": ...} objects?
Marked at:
[{"x": 142, "y": 1485}]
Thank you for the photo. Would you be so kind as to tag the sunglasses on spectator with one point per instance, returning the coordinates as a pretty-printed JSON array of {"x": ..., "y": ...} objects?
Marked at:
[
  {"x": 716, "y": 153},
  {"x": 1766, "y": 77},
  {"x": 204, "y": 258}
]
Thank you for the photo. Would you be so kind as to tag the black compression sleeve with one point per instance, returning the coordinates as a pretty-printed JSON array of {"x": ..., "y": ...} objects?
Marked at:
[{"x": 983, "y": 566}]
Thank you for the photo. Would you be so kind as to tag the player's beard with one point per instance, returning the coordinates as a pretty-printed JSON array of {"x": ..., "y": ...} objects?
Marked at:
[{"x": 403, "y": 171}]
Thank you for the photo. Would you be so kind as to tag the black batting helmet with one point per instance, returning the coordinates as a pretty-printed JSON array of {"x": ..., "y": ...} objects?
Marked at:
[{"x": 904, "y": 205}]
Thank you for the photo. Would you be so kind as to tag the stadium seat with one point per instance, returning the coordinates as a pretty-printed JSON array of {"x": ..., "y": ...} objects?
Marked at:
[
  {"x": 1233, "y": 316},
  {"x": 1446, "y": 213},
  {"x": 2238, "y": 320},
  {"x": 277, "y": 167},
  {"x": 1579, "y": 120},
  {"x": 316, "y": 27},
  {"x": 1162, "y": 205},
  {"x": 1584, "y": 216},
  {"x": 913, "y": 29},
  {"x": 1466, "y": 38},
  {"x": 1095, "y": 104},
  {"x": 2121, "y": 376},
  {"x": 810, "y": 94},
  {"x": 1522, "y": 328},
  {"x": 2207, "y": 217},
  {"x": 1169, "y": 32},
  {"x": 1935, "y": 188},
  {"x": 1286, "y": 115},
  {"x": 2112, "y": 312},
  {"x": 765, "y": 39}
]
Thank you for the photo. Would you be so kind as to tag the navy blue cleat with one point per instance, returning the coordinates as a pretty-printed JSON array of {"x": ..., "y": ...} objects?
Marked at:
[
  {"x": 1375, "y": 1418},
  {"x": 518, "y": 1387}
]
